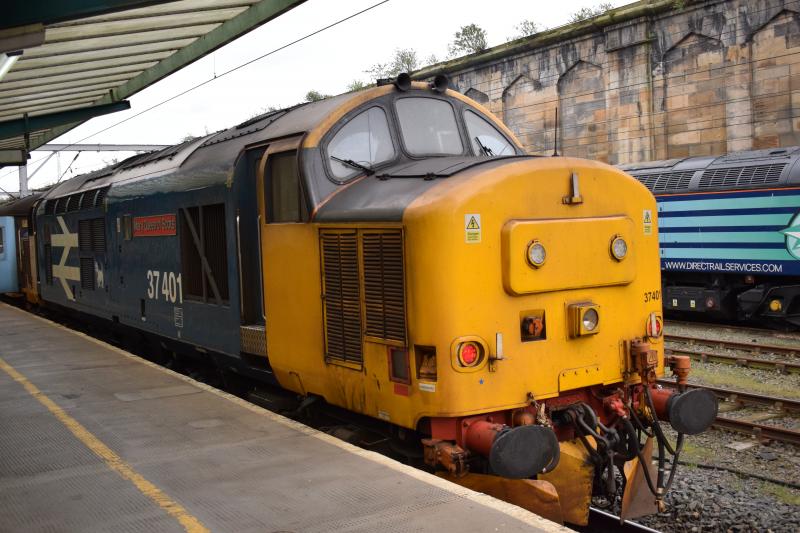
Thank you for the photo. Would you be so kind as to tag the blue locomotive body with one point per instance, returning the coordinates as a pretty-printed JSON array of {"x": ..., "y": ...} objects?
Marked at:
[
  {"x": 8, "y": 255},
  {"x": 147, "y": 244},
  {"x": 729, "y": 232}
]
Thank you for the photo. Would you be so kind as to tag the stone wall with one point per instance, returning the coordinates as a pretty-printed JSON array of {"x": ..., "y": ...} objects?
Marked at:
[{"x": 651, "y": 80}]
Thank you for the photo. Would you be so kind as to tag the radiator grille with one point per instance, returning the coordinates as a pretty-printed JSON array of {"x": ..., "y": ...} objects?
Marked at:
[
  {"x": 384, "y": 289},
  {"x": 341, "y": 296},
  {"x": 742, "y": 176},
  {"x": 99, "y": 235},
  {"x": 85, "y": 235},
  {"x": 87, "y": 273},
  {"x": 666, "y": 181}
]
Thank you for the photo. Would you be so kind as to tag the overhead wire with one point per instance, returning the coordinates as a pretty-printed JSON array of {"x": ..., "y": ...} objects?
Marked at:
[{"x": 225, "y": 73}]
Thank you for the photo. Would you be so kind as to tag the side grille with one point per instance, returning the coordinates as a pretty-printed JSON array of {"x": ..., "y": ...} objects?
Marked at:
[
  {"x": 667, "y": 181},
  {"x": 73, "y": 202},
  {"x": 85, "y": 235},
  {"x": 48, "y": 264},
  {"x": 99, "y": 235},
  {"x": 384, "y": 289},
  {"x": 101, "y": 195},
  {"x": 741, "y": 176},
  {"x": 87, "y": 198},
  {"x": 341, "y": 296},
  {"x": 87, "y": 273}
]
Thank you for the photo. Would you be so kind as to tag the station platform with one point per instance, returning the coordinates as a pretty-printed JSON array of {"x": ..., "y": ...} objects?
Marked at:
[{"x": 95, "y": 439}]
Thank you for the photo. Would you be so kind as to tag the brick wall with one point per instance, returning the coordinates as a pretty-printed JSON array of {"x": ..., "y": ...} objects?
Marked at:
[{"x": 651, "y": 80}]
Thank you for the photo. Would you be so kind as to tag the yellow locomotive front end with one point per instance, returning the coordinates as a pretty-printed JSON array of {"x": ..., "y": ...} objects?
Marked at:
[
  {"x": 537, "y": 283},
  {"x": 506, "y": 308}
]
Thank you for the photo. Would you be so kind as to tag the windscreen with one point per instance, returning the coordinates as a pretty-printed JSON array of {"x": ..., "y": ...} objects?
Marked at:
[
  {"x": 364, "y": 141},
  {"x": 428, "y": 126},
  {"x": 485, "y": 138}
]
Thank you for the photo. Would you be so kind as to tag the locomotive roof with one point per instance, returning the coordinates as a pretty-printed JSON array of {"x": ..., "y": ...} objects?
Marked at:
[
  {"x": 773, "y": 167},
  {"x": 214, "y": 153},
  {"x": 20, "y": 206}
]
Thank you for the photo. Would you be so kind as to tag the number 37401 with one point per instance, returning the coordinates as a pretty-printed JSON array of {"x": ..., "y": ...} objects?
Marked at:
[
  {"x": 164, "y": 285},
  {"x": 652, "y": 296}
]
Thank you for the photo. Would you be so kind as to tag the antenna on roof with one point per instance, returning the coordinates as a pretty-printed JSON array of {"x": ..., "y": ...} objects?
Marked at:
[{"x": 555, "y": 136}]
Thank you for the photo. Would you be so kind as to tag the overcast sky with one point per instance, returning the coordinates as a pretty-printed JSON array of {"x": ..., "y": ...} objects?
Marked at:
[{"x": 326, "y": 62}]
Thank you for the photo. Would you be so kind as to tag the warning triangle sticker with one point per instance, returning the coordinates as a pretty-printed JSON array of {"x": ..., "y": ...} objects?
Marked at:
[
  {"x": 647, "y": 217},
  {"x": 473, "y": 224}
]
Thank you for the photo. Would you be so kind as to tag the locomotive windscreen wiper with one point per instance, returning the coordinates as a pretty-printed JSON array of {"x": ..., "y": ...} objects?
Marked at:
[
  {"x": 354, "y": 164},
  {"x": 484, "y": 149}
]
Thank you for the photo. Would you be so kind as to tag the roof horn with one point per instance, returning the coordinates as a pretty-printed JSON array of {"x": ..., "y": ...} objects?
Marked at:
[
  {"x": 402, "y": 82},
  {"x": 440, "y": 83}
]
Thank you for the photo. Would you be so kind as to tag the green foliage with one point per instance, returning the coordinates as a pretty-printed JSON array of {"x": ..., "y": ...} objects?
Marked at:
[
  {"x": 314, "y": 96},
  {"x": 356, "y": 85},
  {"x": 525, "y": 28},
  {"x": 470, "y": 39},
  {"x": 404, "y": 60},
  {"x": 585, "y": 13}
]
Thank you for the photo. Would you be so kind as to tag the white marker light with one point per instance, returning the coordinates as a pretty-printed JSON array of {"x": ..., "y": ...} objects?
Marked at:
[
  {"x": 536, "y": 254},
  {"x": 619, "y": 248}
]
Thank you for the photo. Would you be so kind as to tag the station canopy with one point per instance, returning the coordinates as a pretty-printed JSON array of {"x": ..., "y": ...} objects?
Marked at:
[{"x": 62, "y": 63}]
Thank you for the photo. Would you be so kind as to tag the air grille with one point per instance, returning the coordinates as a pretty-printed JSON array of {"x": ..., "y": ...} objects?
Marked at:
[
  {"x": 50, "y": 207},
  {"x": 86, "y": 199},
  {"x": 73, "y": 202},
  {"x": 85, "y": 235},
  {"x": 99, "y": 235},
  {"x": 101, "y": 195},
  {"x": 87, "y": 273},
  {"x": 384, "y": 289},
  {"x": 341, "y": 296},
  {"x": 667, "y": 181},
  {"x": 742, "y": 176},
  {"x": 48, "y": 264}
]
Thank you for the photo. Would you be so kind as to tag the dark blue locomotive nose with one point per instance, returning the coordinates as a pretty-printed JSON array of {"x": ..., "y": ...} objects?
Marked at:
[{"x": 693, "y": 411}]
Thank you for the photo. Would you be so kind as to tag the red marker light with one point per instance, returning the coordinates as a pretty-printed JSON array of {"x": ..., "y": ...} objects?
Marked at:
[
  {"x": 468, "y": 354},
  {"x": 655, "y": 326}
]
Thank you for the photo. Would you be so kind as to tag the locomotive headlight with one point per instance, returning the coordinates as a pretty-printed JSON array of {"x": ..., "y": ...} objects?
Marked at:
[
  {"x": 619, "y": 248},
  {"x": 590, "y": 319},
  {"x": 536, "y": 254},
  {"x": 584, "y": 319}
]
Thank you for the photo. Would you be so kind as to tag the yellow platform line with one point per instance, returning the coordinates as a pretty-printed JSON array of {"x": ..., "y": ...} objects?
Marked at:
[{"x": 190, "y": 523}]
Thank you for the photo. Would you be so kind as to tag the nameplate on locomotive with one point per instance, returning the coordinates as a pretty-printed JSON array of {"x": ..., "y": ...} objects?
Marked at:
[{"x": 154, "y": 226}]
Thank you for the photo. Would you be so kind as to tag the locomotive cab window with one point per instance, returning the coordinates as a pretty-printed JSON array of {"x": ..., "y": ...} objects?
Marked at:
[
  {"x": 283, "y": 195},
  {"x": 485, "y": 138},
  {"x": 428, "y": 126},
  {"x": 364, "y": 141}
]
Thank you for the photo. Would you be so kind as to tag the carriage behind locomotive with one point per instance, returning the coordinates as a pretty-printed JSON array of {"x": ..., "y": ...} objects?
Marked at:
[{"x": 394, "y": 252}]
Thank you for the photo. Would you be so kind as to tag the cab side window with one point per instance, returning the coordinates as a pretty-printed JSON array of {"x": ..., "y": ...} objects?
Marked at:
[{"x": 283, "y": 196}]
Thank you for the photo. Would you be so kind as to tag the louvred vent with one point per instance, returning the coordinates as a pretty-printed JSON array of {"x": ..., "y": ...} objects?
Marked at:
[
  {"x": 742, "y": 176},
  {"x": 384, "y": 288},
  {"x": 341, "y": 296}
]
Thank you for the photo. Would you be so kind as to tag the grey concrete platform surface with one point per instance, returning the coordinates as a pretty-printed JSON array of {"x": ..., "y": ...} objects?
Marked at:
[{"x": 94, "y": 439}]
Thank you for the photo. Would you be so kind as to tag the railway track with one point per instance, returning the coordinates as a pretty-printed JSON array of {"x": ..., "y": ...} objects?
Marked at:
[
  {"x": 755, "y": 428},
  {"x": 749, "y": 361},
  {"x": 756, "y": 348}
]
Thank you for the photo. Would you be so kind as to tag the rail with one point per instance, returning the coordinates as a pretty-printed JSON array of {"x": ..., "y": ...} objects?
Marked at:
[{"x": 784, "y": 367}]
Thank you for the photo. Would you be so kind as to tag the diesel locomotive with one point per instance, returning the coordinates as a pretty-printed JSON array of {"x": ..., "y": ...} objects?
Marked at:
[
  {"x": 729, "y": 234},
  {"x": 394, "y": 252}
]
